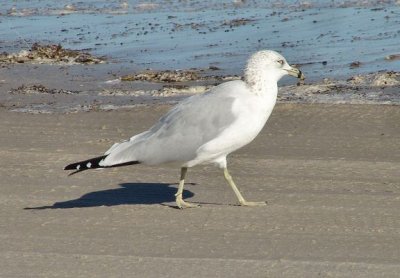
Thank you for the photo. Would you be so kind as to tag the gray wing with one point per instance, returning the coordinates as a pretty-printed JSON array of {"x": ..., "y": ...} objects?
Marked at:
[{"x": 178, "y": 134}]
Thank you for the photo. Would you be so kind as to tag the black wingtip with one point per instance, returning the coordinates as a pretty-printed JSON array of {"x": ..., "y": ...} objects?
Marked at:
[
  {"x": 80, "y": 166},
  {"x": 93, "y": 163}
]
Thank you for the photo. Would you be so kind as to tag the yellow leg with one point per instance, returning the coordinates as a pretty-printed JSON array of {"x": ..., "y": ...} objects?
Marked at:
[
  {"x": 242, "y": 201},
  {"x": 179, "y": 201}
]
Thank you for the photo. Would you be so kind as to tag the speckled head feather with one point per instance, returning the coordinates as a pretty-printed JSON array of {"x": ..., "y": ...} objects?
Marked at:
[{"x": 265, "y": 66}]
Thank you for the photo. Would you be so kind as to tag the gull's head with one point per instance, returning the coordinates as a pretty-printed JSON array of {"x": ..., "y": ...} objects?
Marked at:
[{"x": 269, "y": 65}]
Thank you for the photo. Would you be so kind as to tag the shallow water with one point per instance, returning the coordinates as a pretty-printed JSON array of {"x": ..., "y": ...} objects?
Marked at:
[
  {"x": 327, "y": 39},
  {"x": 324, "y": 38}
]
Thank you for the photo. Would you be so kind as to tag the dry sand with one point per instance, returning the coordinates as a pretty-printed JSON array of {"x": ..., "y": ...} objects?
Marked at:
[{"x": 330, "y": 173}]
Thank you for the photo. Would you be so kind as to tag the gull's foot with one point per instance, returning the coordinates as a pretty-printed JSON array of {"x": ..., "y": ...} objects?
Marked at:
[
  {"x": 182, "y": 204},
  {"x": 253, "y": 204}
]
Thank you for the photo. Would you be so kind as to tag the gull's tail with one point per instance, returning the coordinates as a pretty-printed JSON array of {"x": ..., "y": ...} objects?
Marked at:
[{"x": 94, "y": 163}]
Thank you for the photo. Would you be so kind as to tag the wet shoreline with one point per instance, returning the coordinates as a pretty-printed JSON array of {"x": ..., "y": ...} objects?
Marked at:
[
  {"x": 158, "y": 53},
  {"x": 69, "y": 89}
]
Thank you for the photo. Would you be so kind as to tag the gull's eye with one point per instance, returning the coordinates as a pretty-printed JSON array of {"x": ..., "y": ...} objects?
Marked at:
[{"x": 281, "y": 62}]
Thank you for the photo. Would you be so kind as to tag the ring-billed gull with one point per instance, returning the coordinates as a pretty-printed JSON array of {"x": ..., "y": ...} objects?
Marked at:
[{"x": 206, "y": 128}]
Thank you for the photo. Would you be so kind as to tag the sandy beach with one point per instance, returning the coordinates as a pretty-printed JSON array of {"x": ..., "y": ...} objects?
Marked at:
[
  {"x": 76, "y": 77},
  {"x": 330, "y": 175}
]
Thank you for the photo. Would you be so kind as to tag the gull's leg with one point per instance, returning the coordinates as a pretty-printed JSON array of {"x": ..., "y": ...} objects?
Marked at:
[
  {"x": 242, "y": 201},
  {"x": 179, "y": 201}
]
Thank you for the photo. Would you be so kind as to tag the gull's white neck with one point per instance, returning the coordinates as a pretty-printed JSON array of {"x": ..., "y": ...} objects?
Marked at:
[{"x": 261, "y": 82}]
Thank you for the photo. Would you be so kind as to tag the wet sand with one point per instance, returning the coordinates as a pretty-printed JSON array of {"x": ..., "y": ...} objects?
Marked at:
[
  {"x": 59, "y": 89},
  {"x": 330, "y": 174}
]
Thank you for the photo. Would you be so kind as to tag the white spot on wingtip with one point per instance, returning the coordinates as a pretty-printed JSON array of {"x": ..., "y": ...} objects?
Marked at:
[
  {"x": 89, "y": 165},
  {"x": 78, "y": 167}
]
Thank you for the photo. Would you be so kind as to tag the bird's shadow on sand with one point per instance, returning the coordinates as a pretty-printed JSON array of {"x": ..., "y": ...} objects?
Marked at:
[{"x": 126, "y": 194}]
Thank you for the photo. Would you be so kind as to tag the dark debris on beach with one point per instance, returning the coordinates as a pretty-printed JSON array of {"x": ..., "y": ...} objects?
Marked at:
[
  {"x": 48, "y": 54},
  {"x": 162, "y": 76},
  {"x": 173, "y": 76},
  {"x": 39, "y": 89}
]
